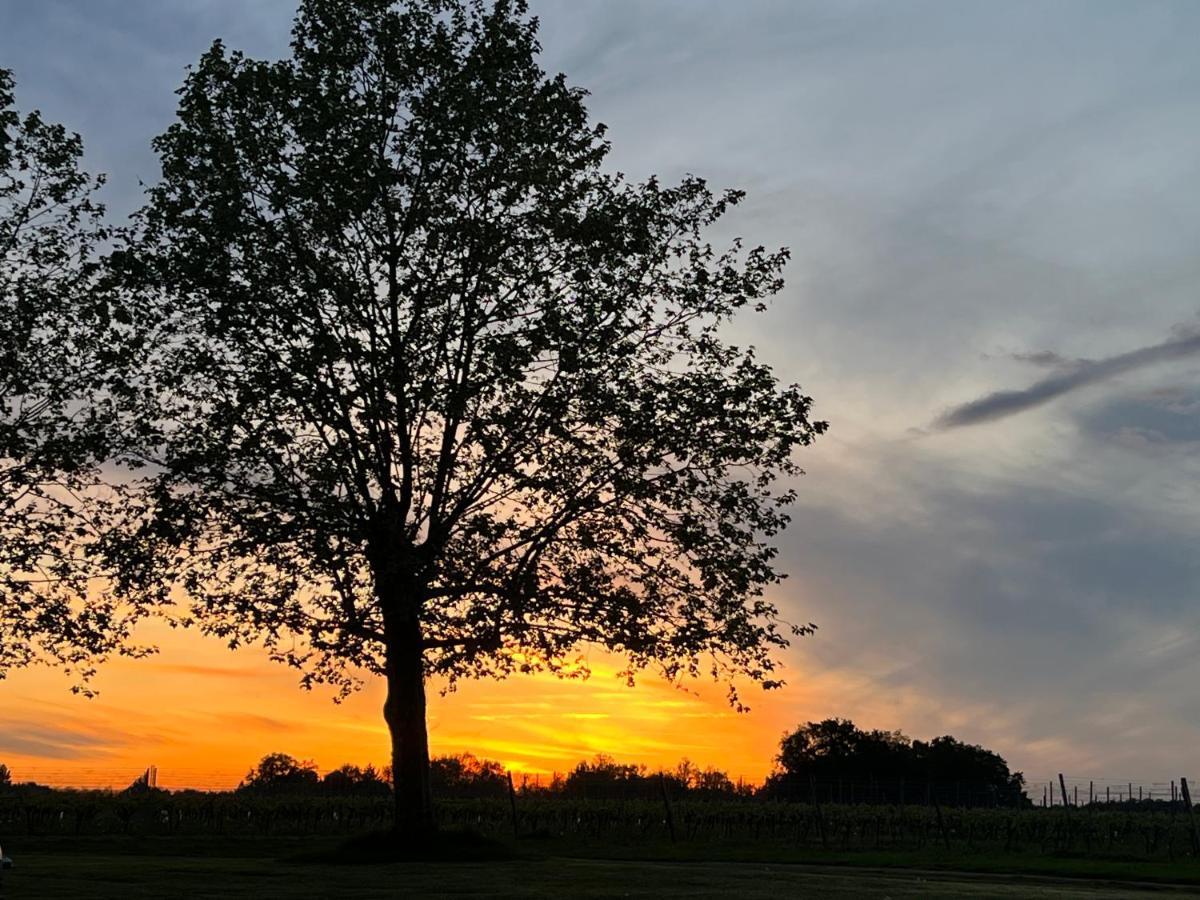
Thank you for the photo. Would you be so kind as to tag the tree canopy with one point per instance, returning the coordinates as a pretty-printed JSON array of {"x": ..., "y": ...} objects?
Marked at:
[
  {"x": 58, "y": 343},
  {"x": 412, "y": 384},
  {"x": 280, "y": 773},
  {"x": 838, "y": 749}
]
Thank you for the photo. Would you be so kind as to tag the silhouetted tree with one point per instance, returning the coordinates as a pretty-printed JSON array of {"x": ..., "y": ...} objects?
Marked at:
[
  {"x": 948, "y": 759},
  {"x": 279, "y": 773},
  {"x": 466, "y": 776},
  {"x": 695, "y": 780},
  {"x": 58, "y": 336},
  {"x": 352, "y": 780},
  {"x": 838, "y": 749},
  {"x": 431, "y": 393},
  {"x": 604, "y": 778},
  {"x": 5, "y": 776}
]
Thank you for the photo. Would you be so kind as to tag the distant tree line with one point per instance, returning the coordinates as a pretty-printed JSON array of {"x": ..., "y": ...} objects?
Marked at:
[
  {"x": 818, "y": 754},
  {"x": 464, "y": 775},
  {"x": 832, "y": 761}
]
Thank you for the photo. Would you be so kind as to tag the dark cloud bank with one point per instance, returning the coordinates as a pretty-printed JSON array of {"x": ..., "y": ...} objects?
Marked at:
[{"x": 1002, "y": 404}]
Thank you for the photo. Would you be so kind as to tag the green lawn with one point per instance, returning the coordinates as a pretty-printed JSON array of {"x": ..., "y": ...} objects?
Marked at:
[{"x": 91, "y": 872}]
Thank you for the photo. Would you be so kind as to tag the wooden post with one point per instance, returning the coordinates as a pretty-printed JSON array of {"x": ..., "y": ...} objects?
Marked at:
[
  {"x": 512, "y": 805},
  {"x": 1062, "y": 783},
  {"x": 1107, "y": 794},
  {"x": 1129, "y": 796},
  {"x": 1043, "y": 796},
  {"x": 1091, "y": 792},
  {"x": 1051, "y": 793},
  {"x": 941, "y": 825},
  {"x": 812, "y": 783},
  {"x": 1187, "y": 799},
  {"x": 1076, "y": 795},
  {"x": 662, "y": 783}
]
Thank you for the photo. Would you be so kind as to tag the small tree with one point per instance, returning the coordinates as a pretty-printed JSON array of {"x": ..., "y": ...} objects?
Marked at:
[
  {"x": 350, "y": 779},
  {"x": 58, "y": 338},
  {"x": 279, "y": 773},
  {"x": 5, "y": 776},
  {"x": 430, "y": 393},
  {"x": 466, "y": 776}
]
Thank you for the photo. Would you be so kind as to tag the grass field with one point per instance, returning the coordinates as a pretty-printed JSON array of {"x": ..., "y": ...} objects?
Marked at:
[{"x": 268, "y": 869}]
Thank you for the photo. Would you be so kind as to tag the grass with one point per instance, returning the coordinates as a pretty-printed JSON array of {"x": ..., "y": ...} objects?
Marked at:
[{"x": 266, "y": 869}]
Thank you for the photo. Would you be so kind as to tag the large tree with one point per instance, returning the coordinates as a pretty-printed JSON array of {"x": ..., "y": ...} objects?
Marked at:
[
  {"x": 57, "y": 340},
  {"x": 432, "y": 393}
]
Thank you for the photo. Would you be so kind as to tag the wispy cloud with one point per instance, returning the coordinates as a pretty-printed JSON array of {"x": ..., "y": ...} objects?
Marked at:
[
  {"x": 1001, "y": 404},
  {"x": 49, "y": 740}
]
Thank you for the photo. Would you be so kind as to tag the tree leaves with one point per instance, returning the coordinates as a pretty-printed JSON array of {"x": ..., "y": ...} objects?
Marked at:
[
  {"x": 412, "y": 351},
  {"x": 59, "y": 334}
]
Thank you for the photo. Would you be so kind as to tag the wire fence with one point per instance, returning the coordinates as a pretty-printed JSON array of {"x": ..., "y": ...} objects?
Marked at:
[
  {"x": 1147, "y": 833},
  {"x": 1068, "y": 790},
  {"x": 1039, "y": 791}
]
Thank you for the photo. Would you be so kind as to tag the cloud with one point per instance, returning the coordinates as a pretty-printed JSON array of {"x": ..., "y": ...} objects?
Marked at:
[
  {"x": 48, "y": 740},
  {"x": 1001, "y": 404},
  {"x": 1047, "y": 359},
  {"x": 1164, "y": 420},
  {"x": 1006, "y": 611}
]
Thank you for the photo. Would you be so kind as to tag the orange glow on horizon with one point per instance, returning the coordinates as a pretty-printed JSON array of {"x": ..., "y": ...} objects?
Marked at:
[{"x": 203, "y": 715}]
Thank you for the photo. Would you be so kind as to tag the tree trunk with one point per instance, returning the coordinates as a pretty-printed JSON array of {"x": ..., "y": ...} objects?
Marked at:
[{"x": 404, "y": 712}]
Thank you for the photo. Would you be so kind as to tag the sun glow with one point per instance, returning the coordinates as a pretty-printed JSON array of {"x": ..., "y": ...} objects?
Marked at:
[{"x": 204, "y": 715}]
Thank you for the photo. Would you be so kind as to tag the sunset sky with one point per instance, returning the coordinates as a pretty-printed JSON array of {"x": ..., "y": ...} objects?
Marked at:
[{"x": 995, "y": 223}]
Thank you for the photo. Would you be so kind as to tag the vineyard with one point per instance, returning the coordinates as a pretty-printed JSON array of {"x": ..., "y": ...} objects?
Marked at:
[{"x": 1160, "y": 834}]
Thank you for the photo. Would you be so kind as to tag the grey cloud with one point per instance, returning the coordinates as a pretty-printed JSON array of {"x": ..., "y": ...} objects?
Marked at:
[
  {"x": 1002, "y": 404},
  {"x": 1161, "y": 418},
  {"x": 1019, "y": 608},
  {"x": 1047, "y": 359},
  {"x": 56, "y": 741}
]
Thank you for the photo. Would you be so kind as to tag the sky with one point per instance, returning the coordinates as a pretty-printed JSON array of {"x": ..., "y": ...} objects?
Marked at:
[{"x": 995, "y": 229}]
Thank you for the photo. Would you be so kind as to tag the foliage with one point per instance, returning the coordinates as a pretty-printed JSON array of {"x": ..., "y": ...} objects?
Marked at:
[
  {"x": 282, "y": 774},
  {"x": 411, "y": 330},
  {"x": 5, "y": 776},
  {"x": 837, "y": 749},
  {"x": 429, "y": 391},
  {"x": 279, "y": 773},
  {"x": 59, "y": 337},
  {"x": 1116, "y": 833},
  {"x": 465, "y": 775},
  {"x": 351, "y": 780},
  {"x": 605, "y": 778}
]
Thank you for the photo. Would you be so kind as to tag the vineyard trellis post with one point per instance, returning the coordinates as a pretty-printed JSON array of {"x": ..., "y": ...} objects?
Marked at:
[
  {"x": 941, "y": 823},
  {"x": 512, "y": 803},
  {"x": 812, "y": 784},
  {"x": 1187, "y": 799},
  {"x": 662, "y": 783}
]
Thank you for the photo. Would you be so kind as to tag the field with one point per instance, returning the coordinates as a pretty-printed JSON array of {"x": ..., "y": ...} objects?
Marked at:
[
  {"x": 1160, "y": 833},
  {"x": 96, "y": 845},
  {"x": 268, "y": 869}
]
